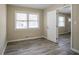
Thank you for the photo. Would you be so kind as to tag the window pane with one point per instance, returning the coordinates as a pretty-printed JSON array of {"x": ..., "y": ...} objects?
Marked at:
[
  {"x": 61, "y": 21},
  {"x": 61, "y": 24},
  {"x": 21, "y": 25},
  {"x": 33, "y": 17},
  {"x": 33, "y": 24},
  {"x": 21, "y": 16}
]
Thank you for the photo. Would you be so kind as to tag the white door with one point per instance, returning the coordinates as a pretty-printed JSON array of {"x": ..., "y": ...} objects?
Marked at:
[{"x": 51, "y": 26}]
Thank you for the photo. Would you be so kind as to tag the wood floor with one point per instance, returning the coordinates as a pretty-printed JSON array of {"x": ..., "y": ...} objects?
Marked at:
[{"x": 41, "y": 47}]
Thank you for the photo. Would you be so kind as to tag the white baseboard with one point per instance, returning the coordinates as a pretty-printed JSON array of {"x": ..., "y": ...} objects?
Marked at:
[
  {"x": 77, "y": 51},
  {"x": 24, "y": 39},
  {"x": 64, "y": 33},
  {"x": 44, "y": 37},
  {"x": 3, "y": 48}
]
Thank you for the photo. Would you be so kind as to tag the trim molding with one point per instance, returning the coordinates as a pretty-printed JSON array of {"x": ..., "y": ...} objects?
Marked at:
[
  {"x": 24, "y": 39},
  {"x": 64, "y": 33},
  {"x": 44, "y": 37},
  {"x": 75, "y": 50},
  {"x": 4, "y": 48}
]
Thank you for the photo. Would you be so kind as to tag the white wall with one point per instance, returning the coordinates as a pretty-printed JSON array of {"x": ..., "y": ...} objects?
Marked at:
[{"x": 2, "y": 28}]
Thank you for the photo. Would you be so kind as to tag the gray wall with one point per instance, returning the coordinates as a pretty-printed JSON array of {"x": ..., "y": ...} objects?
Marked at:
[
  {"x": 75, "y": 27},
  {"x": 14, "y": 34}
]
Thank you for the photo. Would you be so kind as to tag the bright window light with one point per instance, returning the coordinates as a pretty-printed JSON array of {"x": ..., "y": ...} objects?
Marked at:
[
  {"x": 21, "y": 20},
  {"x": 33, "y": 21},
  {"x": 61, "y": 21},
  {"x": 69, "y": 19},
  {"x": 24, "y": 20}
]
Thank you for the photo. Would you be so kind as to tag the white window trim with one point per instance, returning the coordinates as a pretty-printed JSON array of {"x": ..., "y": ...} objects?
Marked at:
[{"x": 27, "y": 20}]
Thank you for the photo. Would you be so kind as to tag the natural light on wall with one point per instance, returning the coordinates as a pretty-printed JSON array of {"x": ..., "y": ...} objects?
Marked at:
[
  {"x": 69, "y": 19},
  {"x": 61, "y": 21},
  {"x": 26, "y": 20}
]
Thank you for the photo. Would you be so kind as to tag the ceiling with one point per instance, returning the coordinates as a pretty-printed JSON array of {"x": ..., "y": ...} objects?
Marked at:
[
  {"x": 37, "y": 6},
  {"x": 66, "y": 10}
]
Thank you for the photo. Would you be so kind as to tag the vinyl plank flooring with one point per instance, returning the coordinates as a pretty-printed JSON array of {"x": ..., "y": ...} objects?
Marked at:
[{"x": 40, "y": 46}]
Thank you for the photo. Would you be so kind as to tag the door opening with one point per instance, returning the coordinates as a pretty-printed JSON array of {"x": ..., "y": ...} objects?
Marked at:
[{"x": 63, "y": 27}]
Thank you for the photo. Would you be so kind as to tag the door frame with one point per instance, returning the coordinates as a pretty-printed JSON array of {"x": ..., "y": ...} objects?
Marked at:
[{"x": 71, "y": 22}]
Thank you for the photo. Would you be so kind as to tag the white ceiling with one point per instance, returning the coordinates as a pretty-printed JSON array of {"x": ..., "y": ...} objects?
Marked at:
[
  {"x": 37, "y": 6},
  {"x": 66, "y": 10}
]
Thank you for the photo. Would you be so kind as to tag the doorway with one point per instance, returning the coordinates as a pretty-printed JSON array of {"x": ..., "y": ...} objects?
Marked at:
[{"x": 63, "y": 26}]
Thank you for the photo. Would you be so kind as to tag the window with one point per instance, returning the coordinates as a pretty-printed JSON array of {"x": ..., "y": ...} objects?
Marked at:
[
  {"x": 24, "y": 21},
  {"x": 33, "y": 21},
  {"x": 21, "y": 20},
  {"x": 61, "y": 21}
]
